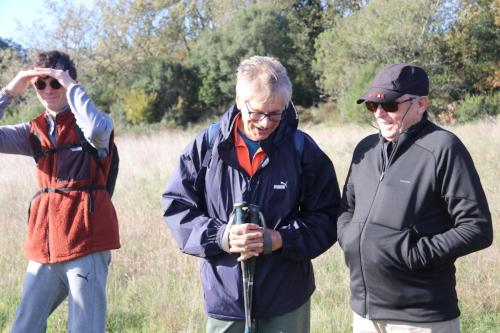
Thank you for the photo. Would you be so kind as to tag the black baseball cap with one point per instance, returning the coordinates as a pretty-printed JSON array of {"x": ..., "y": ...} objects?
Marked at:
[{"x": 393, "y": 81}]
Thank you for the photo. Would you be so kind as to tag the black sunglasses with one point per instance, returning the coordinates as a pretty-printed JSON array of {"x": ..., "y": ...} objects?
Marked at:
[
  {"x": 388, "y": 107},
  {"x": 40, "y": 84}
]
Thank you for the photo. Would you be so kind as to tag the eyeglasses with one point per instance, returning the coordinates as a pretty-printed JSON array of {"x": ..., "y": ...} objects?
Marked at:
[
  {"x": 40, "y": 84},
  {"x": 258, "y": 116},
  {"x": 388, "y": 107}
]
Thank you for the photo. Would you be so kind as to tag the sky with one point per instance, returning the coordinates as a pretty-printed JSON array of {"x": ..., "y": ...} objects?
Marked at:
[{"x": 24, "y": 11}]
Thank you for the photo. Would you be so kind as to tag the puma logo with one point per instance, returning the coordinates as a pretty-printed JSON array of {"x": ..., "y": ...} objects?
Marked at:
[
  {"x": 281, "y": 186},
  {"x": 83, "y": 277}
]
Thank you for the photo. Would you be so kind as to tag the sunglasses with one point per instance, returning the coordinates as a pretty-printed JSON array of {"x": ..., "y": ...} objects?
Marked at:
[
  {"x": 40, "y": 84},
  {"x": 388, "y": 107}
]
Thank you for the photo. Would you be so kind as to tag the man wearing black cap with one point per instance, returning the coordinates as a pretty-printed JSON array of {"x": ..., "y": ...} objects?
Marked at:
[{"x": 412, "y": 204}]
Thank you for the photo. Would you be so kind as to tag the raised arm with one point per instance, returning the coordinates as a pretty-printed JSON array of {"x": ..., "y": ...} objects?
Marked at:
[
  {"x": 14, "y": 139},
  {"x": 95, "y": 125}
]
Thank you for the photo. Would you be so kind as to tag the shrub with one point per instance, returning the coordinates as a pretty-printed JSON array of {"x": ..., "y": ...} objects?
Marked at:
[
  {"x": 174, "y": 86},
  {"x": 359, "y": 83},
  {"x": 474, "y": 107},
  {"x": 138, "y": 106}
]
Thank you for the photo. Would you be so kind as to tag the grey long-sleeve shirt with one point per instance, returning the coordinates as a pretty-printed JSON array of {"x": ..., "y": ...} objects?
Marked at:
[{"x": 95, "y": 125}]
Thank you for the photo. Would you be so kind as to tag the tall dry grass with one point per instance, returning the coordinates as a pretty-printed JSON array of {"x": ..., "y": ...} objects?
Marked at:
[{"x": 154, "y": 288}]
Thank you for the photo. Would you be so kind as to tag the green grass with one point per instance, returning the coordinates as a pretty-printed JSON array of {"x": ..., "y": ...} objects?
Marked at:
[{"x": 152, "y": 287}]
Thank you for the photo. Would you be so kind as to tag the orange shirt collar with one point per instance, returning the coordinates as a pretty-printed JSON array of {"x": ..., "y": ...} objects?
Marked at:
[{"x": 242, "y": 152}]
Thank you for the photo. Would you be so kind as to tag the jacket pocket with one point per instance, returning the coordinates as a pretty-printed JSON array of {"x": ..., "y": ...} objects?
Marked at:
[
  {"x": 430, "y": 227},
  {"x": 349, "y": 241},
  {"x": 386, "y": 248},
  {"x": 420, "y": 231},
  {"x": 73, "y": 164}
]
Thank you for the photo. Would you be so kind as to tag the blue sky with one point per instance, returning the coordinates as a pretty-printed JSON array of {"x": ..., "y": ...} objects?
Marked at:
[{"x": 24, "y": 11}]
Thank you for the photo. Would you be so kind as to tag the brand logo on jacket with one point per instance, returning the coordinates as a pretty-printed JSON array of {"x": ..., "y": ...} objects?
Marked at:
[
  {"x": 405, "y": 181},
  {"x": 281, "y": 186}
]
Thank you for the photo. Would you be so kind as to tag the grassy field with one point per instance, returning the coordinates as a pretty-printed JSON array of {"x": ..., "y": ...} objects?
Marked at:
[{"x": 154, "y": 288}]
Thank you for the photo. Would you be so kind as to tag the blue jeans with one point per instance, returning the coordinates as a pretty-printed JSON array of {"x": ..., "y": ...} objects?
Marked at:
[{"x": 82, "y": 280}]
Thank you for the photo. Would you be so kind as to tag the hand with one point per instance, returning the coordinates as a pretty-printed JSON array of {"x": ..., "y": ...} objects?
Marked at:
[
  {"x": 246, "y": 239},
  {"x": 277, "y": 241},
  {"x": 62, "y": 76},
  {"x": 20, "y": 82}
]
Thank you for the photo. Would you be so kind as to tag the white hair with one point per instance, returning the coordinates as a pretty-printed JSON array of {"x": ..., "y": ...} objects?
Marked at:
[{"x": 262, "y": 78}]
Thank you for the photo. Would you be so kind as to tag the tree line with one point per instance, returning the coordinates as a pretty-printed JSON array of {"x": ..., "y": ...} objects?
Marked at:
[{"x": 174, "y": 61}]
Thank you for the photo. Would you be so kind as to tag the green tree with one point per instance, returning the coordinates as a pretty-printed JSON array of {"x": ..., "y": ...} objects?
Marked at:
[
  {"x": 171, "y": 89},
  {"x": 12, "y": 60},
  {"x": 384, "y": 31},
  {"x": 466, "y": 64},
  {"x": 351, "y": 111},
  {"x": 114, "y": 38},
  {"x": 473, "y": 107},
  {"x": 253, "y": 30},
  {"x": 138, "y": 106}
]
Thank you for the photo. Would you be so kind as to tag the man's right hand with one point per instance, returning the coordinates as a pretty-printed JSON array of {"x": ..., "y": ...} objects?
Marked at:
[
  {"x": 20, "y": 82},
  {"x": 246, "y": 239}
]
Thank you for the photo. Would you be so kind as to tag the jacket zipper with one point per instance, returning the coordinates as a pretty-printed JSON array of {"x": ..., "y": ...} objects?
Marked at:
[
  {"x": 53, "y": 176},
  {"x": 384, "y": 169},
  {"x": 366, "y": 315},
  {"x": 48, "y": 233}
]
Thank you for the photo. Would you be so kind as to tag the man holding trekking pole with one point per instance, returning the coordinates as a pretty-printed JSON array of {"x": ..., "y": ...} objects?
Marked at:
[
  {"x": 255, "y": 162},
  {"x": 72, "y": 224}
]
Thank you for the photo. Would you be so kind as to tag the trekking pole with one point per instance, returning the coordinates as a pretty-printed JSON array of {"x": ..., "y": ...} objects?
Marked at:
[
  {"x": 241, "y": 214},
  {"x": 250, "y": 273}
]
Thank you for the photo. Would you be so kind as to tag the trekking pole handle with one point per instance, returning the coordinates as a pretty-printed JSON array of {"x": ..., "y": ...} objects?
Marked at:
[
  {"x": 240, "y": 212},
  {"x": 254, "y": 213}
]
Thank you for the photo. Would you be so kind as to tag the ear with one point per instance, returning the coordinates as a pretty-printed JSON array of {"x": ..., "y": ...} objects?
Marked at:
[
  {"x": 423, "y": 104},
  {"x": 239, "y": 104}
]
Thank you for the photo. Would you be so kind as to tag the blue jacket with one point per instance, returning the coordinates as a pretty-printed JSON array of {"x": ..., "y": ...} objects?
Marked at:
[{"x": 198, "y": 205}]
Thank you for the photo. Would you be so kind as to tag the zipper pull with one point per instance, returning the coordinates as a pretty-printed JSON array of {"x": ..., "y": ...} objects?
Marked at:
[{"x": 382, "y": 176}]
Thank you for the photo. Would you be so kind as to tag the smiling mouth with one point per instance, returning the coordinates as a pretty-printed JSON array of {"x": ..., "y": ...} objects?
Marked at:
[
  {"x": 261, "y": 129},
  {"x": 384, "y": 123}
]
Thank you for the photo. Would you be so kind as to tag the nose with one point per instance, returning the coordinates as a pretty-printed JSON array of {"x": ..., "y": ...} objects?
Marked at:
[
  {"x": 266, "y": 121},
  {"x": 380, "y": 112},
  {"x": 49, "y": 90}
]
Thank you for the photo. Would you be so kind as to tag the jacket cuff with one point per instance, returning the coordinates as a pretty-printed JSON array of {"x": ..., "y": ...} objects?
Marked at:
[
  {"x": 288, "y": 238},
  {"x": 7, "y": 93},
  {"x": 5, "y": 97},
  {"x": 268, "y": 242},
  {"x": 223, "y": 235},
  {"x": 286, "y": 243}
]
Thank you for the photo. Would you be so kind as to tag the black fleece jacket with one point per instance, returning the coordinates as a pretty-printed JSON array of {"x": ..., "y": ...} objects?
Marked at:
[{"x": 403, "y": 225}]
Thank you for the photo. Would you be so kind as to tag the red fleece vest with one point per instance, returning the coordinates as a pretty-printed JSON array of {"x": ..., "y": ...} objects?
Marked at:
[{"x": 72, "y": 214}]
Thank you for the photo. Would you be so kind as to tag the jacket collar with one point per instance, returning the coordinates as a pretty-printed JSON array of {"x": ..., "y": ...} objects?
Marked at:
[
  {"x": 409, "y": 132},
  {"x": 406, "y": 138}
]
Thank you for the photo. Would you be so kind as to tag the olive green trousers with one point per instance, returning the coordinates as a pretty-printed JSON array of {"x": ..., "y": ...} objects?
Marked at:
[{"x": 296, "y": 321}]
